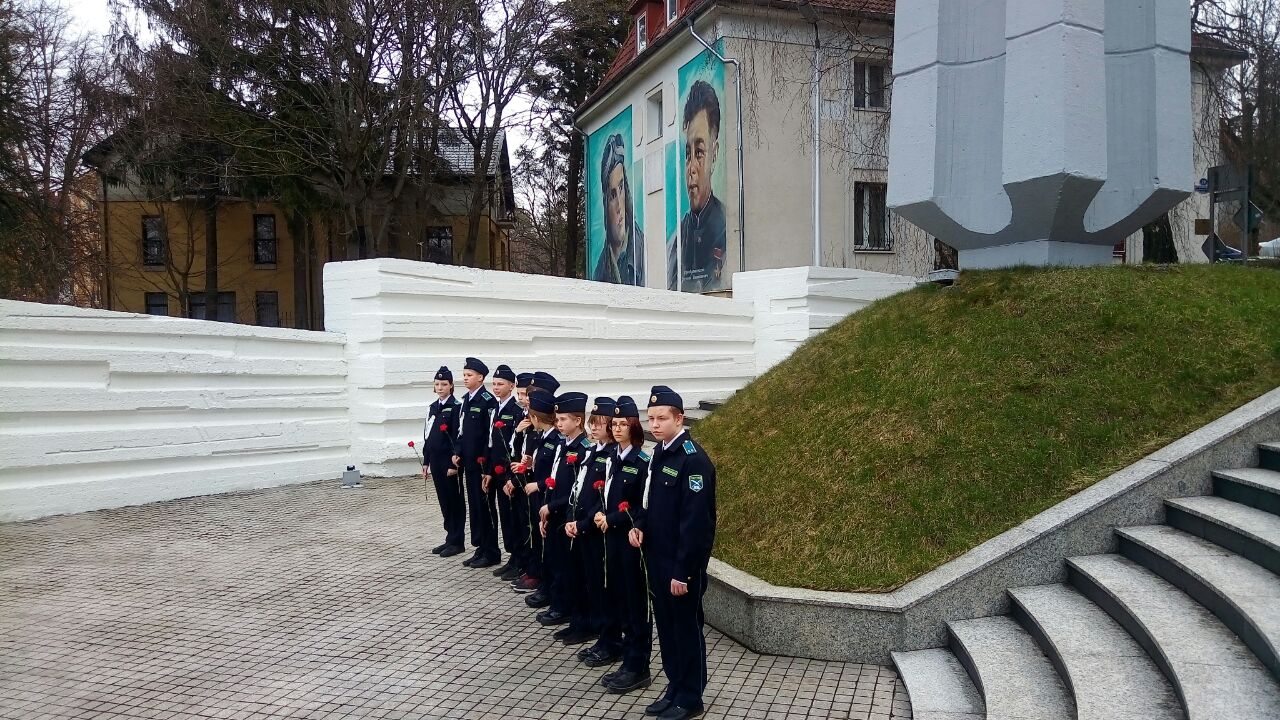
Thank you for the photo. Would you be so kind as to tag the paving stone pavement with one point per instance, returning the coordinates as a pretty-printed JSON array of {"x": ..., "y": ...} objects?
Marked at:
[{"x": 309, "y": 601}]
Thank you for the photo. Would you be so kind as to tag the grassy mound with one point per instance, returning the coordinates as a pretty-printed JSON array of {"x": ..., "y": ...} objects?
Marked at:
[{"x": 937, "y": 419}]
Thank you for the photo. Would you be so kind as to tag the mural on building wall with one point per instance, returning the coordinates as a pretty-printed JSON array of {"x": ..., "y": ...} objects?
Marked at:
[
  {"x": 703, "y": 242},
  {"x": 615, "y": 210},
  {"x": 670, "y": 193}
]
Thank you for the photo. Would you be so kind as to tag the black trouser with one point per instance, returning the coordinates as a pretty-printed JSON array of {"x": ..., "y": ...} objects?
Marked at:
[
  {"x": 453, "y": 506},
  {"x": 484, "y": 512},
  {"x": 519, "y": 504},
  {"x": 535, "y": 549},
  {"x": 589, "y": 612},
  {"x": 680, "y": 638},
  {"x": 507, "y": 515},
  {"x": 556, "y": 566},
  {"x": 628, "y": 628}
]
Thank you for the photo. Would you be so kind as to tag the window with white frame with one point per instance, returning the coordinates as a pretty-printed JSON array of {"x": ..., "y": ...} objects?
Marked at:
[
  {"x": 869, "y": 85},
  {"x": 871, "y": 217},
  {"x": 642, "y": 32},
  {"x": 673, "y": 9},
  {"x": 655, "y": 115}
]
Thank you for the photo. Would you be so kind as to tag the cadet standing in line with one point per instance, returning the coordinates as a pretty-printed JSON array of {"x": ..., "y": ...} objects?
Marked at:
[
  {"x": 570, "y": 409},
  {"x": 439, "y": 433},
  {"x": 506, "y": 416},
  {"x": 628, "y": 632},
  {"x": 513, "y": 488},
  {"x": 545, "y": 444},
  {"x": 677, "y": 531},
  {"x": 586, "y": 545},
  {"x": 473, "y": 443}
]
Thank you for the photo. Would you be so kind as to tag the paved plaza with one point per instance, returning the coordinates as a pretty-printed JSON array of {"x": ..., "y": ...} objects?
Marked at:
[{"x": 311, "y": 601}]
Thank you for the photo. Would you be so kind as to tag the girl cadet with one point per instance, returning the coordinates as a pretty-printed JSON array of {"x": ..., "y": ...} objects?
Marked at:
[
  {"x": 586, "y": 544},
  {"x": 439, "y": 435},
  {"x": 543, "y": 432},
  {"x": 513, "y": 488},
  {"x": 507, "y": 415},
  {"x": 570, "y": 409},
  {"x": 628, "y": 632}
]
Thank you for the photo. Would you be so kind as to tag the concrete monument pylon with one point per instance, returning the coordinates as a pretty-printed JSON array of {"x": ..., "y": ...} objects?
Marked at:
[{"x": 1039, "y": 132}]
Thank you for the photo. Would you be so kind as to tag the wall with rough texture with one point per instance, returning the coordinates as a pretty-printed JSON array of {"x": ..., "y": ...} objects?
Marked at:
[
  {"x": 104, "y": 409},
  {"x": 403, "y": 320}
]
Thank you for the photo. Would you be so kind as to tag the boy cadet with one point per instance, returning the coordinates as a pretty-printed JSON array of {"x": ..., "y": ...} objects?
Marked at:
[
  {"x": 506, "y": 416},
  {"x": 677, "y": 530},
  {"x": 469, "y": 456},
  {"x": 542, "y": 450},
  {"x": 570, "y": 409},
  {"x": 439, "y": 433},
  {"x": 512, "y": 488}
]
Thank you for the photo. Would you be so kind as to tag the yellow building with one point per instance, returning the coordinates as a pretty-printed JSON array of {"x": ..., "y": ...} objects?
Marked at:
[{"x": 270, "y": 258}]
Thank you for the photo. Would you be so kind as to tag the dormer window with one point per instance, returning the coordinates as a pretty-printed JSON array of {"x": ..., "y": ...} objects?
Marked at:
[{"x": 642, "y": 32}]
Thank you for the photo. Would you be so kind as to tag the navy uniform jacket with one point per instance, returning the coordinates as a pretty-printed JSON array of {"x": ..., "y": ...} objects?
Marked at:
[
  {"x": 473, "y": 442},
  {"x": 589, "y": 498},
  {"x": 557, "y": 500},
  {"x": 679, "y": 520},
  {"x": 434, "y": 442},
  {"x": 625, "y": 483},
  {"x": 512, "y": 447}
]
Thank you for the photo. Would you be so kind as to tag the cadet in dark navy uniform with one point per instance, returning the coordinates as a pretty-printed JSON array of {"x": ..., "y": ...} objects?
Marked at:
[
  {"x": 513, "y": 488},
  {"x": 586, "y": 544},
  {"x": 570, "y": 409},
  {"x": 628, "y": 631},
  {"x": 439, "y": 433},
  {"x": 473, "y": 444},
  {"x": 506, "y": 416},
  {"x": 543, "y": 450},
  {"x": 677, "y": 530}
]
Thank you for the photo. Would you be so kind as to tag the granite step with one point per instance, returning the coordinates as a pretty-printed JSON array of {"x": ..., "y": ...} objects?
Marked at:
[
  {"x": 1256, "y": 487},
  {"x": 1110, "y": 675},
  {"x": 1211, "y": 669},
  {"x": 1246, "y": 531},
  {"x": 710, "y": 405},
  {"x": 1269, "y": 455},
  {"x": 1243, "y": 595},
  {"x": 938, "y": 686},
  {"x": 1014, "y": 676}
]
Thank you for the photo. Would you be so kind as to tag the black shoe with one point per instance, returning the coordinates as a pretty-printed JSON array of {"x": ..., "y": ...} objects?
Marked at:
[
  {"x": 601, "y": 658},
  {"x": 626, "y": 681},
  {"x": 511, "y": 574},
  {"x": 451, "y": 550},
  {"x": 579, "y": 637},
  {"x": 675, "y": 712},
  {"x": 607, "y": 677},
  {"x": 659, "y": 706},
  {"x": 563, "y": 632},
  {"x": 471, "y": 561},
  {"x": 439, "y": 548},
  {"x": 499, "y": 572},
  {"x": 554, "y": 618},
  {"x": 537, "y": 599},
  {"x": 593, "y": 650},
  {"x": 484, "y": 562}
]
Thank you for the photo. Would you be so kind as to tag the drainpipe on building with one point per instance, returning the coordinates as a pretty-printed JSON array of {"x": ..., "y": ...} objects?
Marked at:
[
  {"x": 810, "y": 14},
  {"x": 742, "y": 205}
]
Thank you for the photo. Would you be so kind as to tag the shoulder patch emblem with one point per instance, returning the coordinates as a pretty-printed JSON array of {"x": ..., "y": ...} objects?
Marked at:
[
  {"x": 585, "y": 443},
  {"x": 695, "y": 483},
  {"x": 645, "y": 456},
  {"x": 485, "y": 394},
  {"x": 670, "y": 471},
  {"x": 689, "y": 449}
]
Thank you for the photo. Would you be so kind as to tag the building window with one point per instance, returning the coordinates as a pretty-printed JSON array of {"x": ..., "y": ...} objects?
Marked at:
[
  {"x": 226, "y": 310},
  {"x": 871, "y": 217},
  {"x": 655, "y": 115},
  {"x": 264, "y": 239},
  {"x": 267, "y": 308},
  {"x": 152, "y": 240},
  {"x": 673, "y": 9},
  {"x": 437, "y": 245},
  {"x": 868, "y": 85},
  {"x": 642, "y": 33},
  {"x": 157, "y": 303}
]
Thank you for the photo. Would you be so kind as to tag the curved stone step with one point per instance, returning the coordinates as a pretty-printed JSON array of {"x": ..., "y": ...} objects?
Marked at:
[
  {"x": 1110, "y": 675},
  {"x": 938, "y": 686},
  {"x": 1245, "y": 596},
  {"x": 1246, "y": 531},
  {"x": 1255, "y": 487},
  {"x": 1213, "y": 672},
  {"x": 1015, "y": 678}
]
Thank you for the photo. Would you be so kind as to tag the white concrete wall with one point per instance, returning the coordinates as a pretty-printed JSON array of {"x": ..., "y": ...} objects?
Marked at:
[
  {"x": 405, "y": 319},
  {"x": 794, "y": 304},
  {"x": 103, "y": 409}
]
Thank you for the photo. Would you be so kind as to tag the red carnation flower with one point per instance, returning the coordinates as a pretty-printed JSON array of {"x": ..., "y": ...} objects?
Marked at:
[
  {"x": 499, "y": 424},
  {"x": 521, "y": 468},
  {"x": 624, "y": 506},
  {"x": 599, "y": 485},
  {"x": 410, "y": 443},
  {"x": 498, "y": 469},
  {"x": 480, "y": 460},
  {"x": 443, "y": 427},
  {"x": 551, "y": 483},
  {"x": 571, "y": 458}
]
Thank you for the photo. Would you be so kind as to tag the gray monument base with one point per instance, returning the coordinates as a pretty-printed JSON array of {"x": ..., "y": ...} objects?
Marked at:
[{"x": 1035, "y": 253}]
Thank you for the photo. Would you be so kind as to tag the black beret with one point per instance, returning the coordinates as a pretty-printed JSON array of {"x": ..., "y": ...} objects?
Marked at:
[
  {"x": 626, "y": 407},
  {"x": 663, "y": 395},
  {"x": 444, "y": 373},
  {"x": 476, "y": 365},
  {"x": 544, "y": 381},
  {"x": 603, "y": 406},
  {"x": 523, "y": 380},
  {"x": 542, "y": 402},
  {"x": 571, "y": 402},
  {"x": 504, "y": 373}
]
